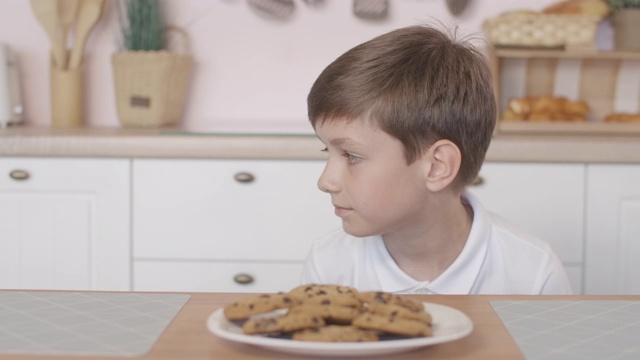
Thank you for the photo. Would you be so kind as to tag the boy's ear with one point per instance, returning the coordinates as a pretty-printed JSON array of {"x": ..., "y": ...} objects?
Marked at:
[{"x": 444, "y": 160}]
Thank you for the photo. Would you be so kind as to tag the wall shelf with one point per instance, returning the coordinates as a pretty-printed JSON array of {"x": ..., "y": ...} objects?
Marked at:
[{"x": 608, "y": 81}]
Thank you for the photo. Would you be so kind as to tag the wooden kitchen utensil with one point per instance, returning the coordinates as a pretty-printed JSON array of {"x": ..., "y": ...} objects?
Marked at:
[
  {"x": 46, "y": 11},
  {"x": 89, "y": 12},
  {"x": 67, "y": 11}
]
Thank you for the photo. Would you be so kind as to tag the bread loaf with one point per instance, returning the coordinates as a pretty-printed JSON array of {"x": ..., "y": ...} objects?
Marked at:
[{"x": 578, "y": 7}]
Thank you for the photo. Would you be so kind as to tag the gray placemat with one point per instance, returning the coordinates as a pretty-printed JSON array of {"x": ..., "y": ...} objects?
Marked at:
[
  {"x": 587, "y": 329},
  {"x": 84, "y": 323}
]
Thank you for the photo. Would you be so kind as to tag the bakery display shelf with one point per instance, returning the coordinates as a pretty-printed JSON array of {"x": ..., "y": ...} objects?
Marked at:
[{"x": 608, "y": 81}]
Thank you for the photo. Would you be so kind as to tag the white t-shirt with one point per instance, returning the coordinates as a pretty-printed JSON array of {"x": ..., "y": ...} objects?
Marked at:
[{"x": 498, "y": 258}]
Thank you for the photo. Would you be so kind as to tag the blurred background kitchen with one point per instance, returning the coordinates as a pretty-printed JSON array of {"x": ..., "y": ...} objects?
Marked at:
[
  {"x": 94, "y": 204},
  {"x": 251, "y": 72}
]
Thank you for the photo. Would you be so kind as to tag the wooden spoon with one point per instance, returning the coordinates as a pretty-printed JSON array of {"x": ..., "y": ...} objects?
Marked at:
[
  {"x": 46, "y": 11},
  {"x": 89, "y": 13},
  {"x": 67, "y": 11}
]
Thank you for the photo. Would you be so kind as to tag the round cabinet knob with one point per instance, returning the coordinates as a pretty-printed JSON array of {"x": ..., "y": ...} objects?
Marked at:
[
  {"x": 243, "y": 279},
  {"x": 19, "y": 175},
  {"x": 244, "y": 177}
]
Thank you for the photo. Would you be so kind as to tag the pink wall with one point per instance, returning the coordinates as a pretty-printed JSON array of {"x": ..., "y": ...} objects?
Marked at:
[{"x": 251, "y": 74}]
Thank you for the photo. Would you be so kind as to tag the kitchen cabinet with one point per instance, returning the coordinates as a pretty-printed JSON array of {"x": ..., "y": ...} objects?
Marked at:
[
  {"x": 65, "y": 223},
  {"x": 199, "y": 227},
  {"x": 225, "y": 225},
  {"x": 613, "y": 229},
  {"x": 608, "y": 81},
  {"x": 545, "y": 199}
]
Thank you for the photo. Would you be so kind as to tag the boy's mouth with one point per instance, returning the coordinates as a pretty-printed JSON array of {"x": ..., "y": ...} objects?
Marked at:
[{"x": 341, "y": 211}]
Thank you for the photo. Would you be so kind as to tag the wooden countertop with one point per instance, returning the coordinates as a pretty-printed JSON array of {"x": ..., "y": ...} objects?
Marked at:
[
  {"x": 187, "y": 337},
  {"x": 175, "y": 143}
]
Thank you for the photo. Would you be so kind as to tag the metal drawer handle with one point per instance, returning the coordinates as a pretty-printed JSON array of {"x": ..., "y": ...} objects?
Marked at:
[
  {"x": 479, "y": 180},
  {"x": 19, "y": 175},
  {"x": 244, "y": 177},
  {"x": 243, "y": 279}
]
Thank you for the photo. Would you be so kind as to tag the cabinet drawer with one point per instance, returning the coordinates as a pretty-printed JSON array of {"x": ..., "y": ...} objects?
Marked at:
[
  {"x": 228, "y": 209},
  {"x": 545, "y": 199},
  {"x": 202, "y": 276}
]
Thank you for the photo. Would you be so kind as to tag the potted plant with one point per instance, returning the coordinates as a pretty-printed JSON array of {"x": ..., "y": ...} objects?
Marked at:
[
  {"x": 150, "y": 81},
  {"x": 626, "y": 24}
]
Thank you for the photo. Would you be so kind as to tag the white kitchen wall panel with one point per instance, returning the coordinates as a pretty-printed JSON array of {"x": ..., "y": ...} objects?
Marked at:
[
  {"x": 613, "y": 229},
  {"x": 228, "y": 209},
  {"x": 65, "y": 224}
]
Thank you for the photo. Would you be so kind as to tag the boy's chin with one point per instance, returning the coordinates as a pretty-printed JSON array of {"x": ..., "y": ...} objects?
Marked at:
[{"x": 356, "y": 231}]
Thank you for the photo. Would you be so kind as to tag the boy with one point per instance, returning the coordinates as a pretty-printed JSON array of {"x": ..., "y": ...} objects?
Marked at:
[{"x": 406, "y": 119}]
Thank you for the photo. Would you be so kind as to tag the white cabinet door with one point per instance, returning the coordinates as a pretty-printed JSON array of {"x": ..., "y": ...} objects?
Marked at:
[
  {"x": 545, "y": 199},
  {"x": 208, "y": 212},
  {"x": 613, "y": 229},
  {"x": 216, "y": 276},
  {"x": 228, "y": 209},
  {"x": 65, "y": 224}
]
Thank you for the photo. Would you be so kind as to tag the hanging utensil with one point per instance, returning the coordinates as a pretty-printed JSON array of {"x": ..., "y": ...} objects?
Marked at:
[
  {"x": 371, "y": 9},
  {"x": 275, "y": 9},
  {"x": 456, "y": 7},
  {"x": 67, "y": 11},
  {"x": 46, "y": 12},
  {"x": 89, "y": 12}
]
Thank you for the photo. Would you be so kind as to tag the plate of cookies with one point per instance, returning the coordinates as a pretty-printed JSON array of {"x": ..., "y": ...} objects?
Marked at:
[{"x": 334, "y": 320}]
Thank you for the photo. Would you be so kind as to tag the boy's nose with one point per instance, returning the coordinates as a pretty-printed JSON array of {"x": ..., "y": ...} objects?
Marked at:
[{"x": 326, "y": 182}]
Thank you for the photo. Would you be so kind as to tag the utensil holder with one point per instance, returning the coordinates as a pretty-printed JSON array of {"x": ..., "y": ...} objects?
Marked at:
[{"x": 66, "y": 97}]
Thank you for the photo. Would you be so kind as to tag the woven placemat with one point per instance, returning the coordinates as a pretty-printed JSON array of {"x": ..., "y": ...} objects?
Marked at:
[{"x": 84, "y": 323}]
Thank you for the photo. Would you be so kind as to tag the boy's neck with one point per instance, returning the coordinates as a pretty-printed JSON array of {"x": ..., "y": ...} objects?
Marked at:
[{"x": 426, "y": 252}]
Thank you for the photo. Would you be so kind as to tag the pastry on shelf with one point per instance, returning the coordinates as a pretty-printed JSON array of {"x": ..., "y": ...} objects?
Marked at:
[
  {"x": 622, "y": 118},
  {"x": 545, "y": 108}
]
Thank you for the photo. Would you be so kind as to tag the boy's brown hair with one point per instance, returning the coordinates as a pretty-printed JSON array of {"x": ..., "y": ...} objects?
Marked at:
[{"x": 418, "y": 85}]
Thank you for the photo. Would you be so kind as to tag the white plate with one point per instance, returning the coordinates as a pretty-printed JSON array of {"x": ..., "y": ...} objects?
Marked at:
[{"x": 448, "y": 324}]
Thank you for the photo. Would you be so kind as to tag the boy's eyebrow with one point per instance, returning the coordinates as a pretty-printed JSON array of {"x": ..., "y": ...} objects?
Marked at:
[{"x": 341, "y": 141}]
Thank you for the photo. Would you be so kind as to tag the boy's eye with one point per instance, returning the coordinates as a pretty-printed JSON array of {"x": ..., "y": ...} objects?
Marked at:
[
  {"x": 325, "y": 150},
  {"x": 351, "y": 158}
]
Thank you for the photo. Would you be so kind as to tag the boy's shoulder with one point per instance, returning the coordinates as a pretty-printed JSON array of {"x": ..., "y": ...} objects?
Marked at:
[{"x": 512, "y": 236}]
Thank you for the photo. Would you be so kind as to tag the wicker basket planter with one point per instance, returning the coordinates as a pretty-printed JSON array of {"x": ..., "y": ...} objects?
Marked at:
[{"x": 150, "y": 87}]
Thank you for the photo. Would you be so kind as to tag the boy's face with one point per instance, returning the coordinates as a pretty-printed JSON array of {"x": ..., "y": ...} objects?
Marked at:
[{"x": 372, "y": 188}]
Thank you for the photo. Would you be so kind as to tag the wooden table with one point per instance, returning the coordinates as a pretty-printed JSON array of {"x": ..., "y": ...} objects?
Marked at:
[{"x": 188, "y": 338}]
